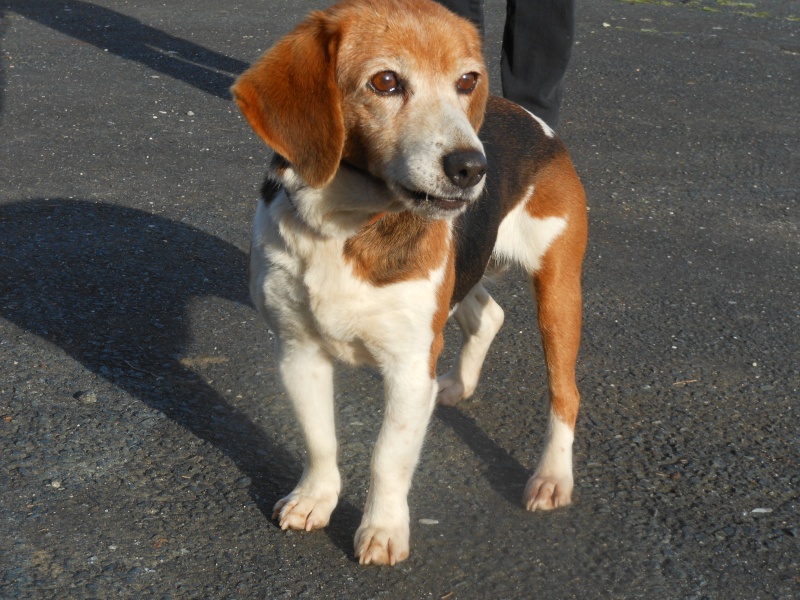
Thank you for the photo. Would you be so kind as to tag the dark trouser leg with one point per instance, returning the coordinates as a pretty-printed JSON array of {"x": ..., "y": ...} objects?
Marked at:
[
  {"x": 469, "y": 9},
  {"x": 537, "y": 43}
]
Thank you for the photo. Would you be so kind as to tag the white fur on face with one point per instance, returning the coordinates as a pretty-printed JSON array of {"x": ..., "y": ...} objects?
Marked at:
[
  {"x": 408, "y": 134},
  {"x": 435, "y": 127}
]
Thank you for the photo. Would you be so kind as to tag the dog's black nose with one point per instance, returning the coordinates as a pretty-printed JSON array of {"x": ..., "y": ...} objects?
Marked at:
[{"x": 465, "y": 168}]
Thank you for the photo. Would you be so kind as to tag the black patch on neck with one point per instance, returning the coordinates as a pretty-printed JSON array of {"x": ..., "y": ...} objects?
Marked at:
[
  {"x": 271, "y": 187},
  {"x": 516, "y": 149},
  {"x": 279, "y": 164}
]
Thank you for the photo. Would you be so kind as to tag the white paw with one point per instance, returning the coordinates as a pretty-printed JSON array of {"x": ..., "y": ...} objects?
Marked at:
[
  {"x": 305, "y": 511},
  {"x": 547, "y": 492},
  {"x": 381, "y": 545},
  {"x": 451, "y": 390}
]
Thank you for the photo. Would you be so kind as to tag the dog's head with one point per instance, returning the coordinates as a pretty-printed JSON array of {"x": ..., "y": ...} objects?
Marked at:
[{"x": 397, "y": 88}]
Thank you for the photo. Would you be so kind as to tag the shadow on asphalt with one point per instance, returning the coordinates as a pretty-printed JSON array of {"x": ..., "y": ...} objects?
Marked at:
[
  {"x": 3, "y": 25},
  {"x": 506, "y": 476},
  {"x": 131, "y": 39},
  {"x": 111, "y": 286}
]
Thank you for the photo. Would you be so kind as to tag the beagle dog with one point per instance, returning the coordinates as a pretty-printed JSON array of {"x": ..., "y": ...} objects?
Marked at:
[{"x": 396, "y": 183}]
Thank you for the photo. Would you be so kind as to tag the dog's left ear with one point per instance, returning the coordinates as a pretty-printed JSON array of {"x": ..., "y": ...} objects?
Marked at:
[{"x": 292, "y": 101}]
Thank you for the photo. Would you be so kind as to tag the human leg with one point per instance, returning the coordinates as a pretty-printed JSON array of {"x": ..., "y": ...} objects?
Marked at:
[
  {"x": 537, "y": 43},
  {"x": 469, "y": 9}
]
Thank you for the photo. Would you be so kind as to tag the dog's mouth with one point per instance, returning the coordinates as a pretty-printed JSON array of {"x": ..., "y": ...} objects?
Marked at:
[
  {"x": 425, "y": 199},
  {"x": 421, "y": 200}
]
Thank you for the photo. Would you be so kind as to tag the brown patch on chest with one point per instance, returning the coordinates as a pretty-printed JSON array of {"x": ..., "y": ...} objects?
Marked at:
[{"x": 398, "y": 247}]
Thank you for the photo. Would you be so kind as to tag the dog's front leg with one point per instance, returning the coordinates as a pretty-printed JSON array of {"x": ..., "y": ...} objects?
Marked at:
[
  {"x": 383, "y": 537},
  {"x": 307, "y": 374}
]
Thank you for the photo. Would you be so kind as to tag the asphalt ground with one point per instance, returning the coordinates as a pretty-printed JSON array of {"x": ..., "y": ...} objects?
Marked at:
[{"x": 143, "y": 434}]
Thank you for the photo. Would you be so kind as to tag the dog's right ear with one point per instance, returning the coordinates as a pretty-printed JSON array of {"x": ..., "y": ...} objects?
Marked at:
[{"x": 292, "y": 101}]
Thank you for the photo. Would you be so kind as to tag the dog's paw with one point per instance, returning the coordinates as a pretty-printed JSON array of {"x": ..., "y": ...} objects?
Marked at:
[
  {"x": 547, "y": 492},
  {"x": 304, "y": 512},
  {"x": 381, "y": 545},
  {"x": 451, "y": 390}
]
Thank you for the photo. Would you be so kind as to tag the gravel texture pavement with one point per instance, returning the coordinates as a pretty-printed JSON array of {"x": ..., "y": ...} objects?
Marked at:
[{"x": 144, "y": 436}]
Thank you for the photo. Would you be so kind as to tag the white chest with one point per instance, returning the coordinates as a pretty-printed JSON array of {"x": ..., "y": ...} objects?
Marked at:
[{"x": 305, "y": 287}]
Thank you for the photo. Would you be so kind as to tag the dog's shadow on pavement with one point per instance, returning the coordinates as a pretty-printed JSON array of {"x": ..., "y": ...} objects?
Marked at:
[
  {"x": 505, "y": 475},
  {"x": 111, "y": 286}
]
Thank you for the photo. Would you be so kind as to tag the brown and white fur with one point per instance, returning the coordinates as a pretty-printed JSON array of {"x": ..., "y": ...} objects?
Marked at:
[{"x": 377, "y": 223}]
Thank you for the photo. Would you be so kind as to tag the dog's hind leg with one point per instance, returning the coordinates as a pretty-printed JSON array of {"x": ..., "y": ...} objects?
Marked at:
[
  {"x": 557, "y": 286},
  {"x": 479, "y": 318},
  {"x": 307, "y": 374}
]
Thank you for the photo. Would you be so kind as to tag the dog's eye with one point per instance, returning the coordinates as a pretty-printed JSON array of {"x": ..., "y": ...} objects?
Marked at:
[
  {"x": 467, "y": 82},
  {"x": 385, "y": 82}
]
